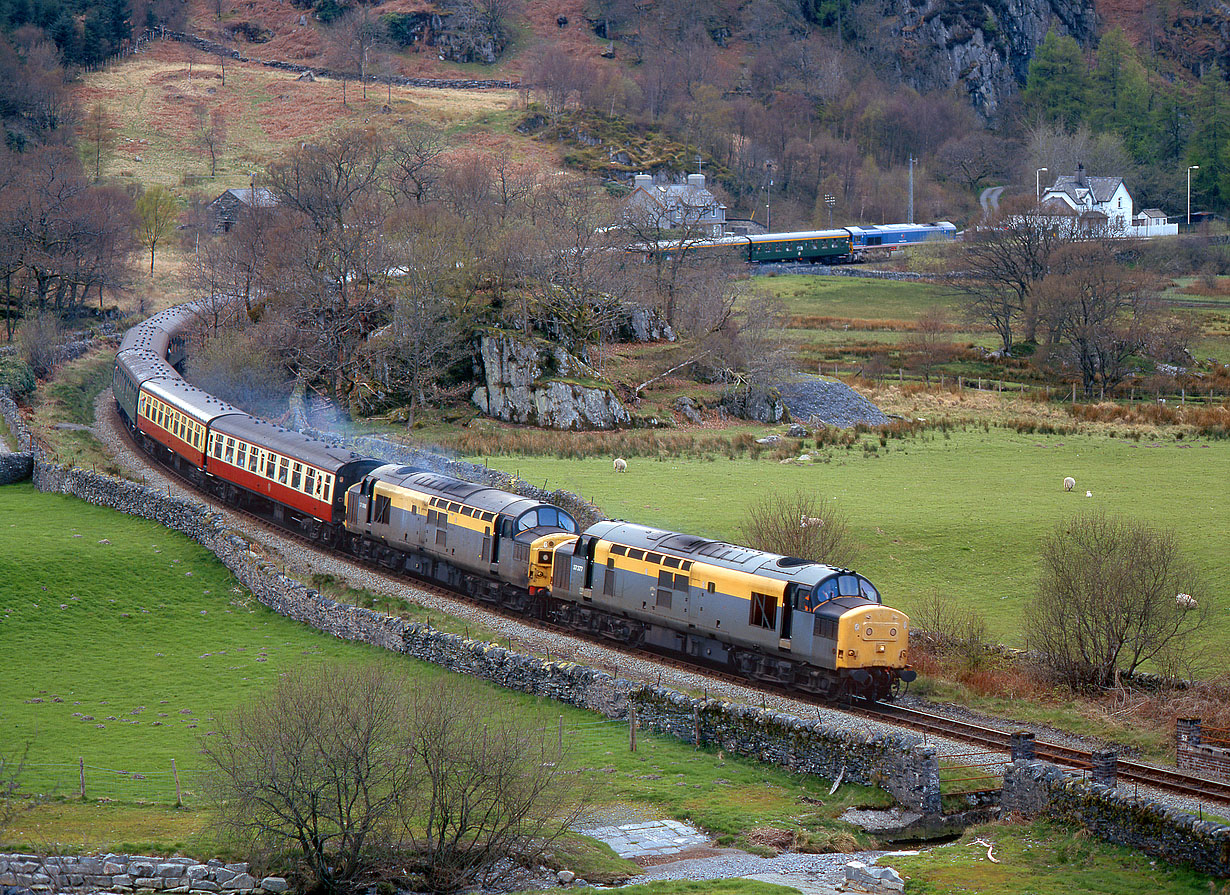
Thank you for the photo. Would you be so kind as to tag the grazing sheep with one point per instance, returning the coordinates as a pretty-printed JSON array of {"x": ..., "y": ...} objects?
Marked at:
[
  {"x": 1185, "y": 601},
  {"x": 1069, "y": 483},
  {"x": 1089, "y": 494},
  {"x": 809, "y": 521},
  {"x": 621, "y": 465}
]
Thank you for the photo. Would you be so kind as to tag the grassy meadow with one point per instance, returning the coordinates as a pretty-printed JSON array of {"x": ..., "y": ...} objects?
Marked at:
[{"x": 133, "y": 640}]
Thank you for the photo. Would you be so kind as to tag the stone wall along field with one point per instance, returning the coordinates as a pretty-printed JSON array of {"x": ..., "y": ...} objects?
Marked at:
[
  {"x": 124, "y": 873},
  {"x": 14, "y": 467},
  {"x": 1037, "y": 788}
]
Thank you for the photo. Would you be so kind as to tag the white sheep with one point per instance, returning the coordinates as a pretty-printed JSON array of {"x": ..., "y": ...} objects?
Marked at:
[
  {"x": 1089, "y": 494},
  {"x": 621, "y": 465},
  {"x": 810, "y": 521},
  {"x": 1069, "y": 483},
  {"x": 1185, "y": 601}
]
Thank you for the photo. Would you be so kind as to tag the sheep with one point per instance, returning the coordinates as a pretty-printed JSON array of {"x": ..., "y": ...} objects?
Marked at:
[
  {"x": 1069, "y": 483},
  {"x": 1185, "y": 602},
  {"x": 1089, "y": 494},
  {"x": 809, "y": 521},
  {"x": 621, "y": 465}
]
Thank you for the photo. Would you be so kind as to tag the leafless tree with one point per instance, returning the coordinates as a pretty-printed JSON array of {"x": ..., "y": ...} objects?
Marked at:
[
  {"x": 1098, "y": 312},
  {"x": 371, "y": 781},
  {"x": 39, "y": 340},
  {"x": 354, "y": 42},
  {"x": 487, "y": 787},
  {"x": 98, "y": 137},
  {"x": 800, "y": 524},
  {"x": 930, "y": 343},
  {"x": 745, "y": 335},
  {"x": 1000, "y": 267},
  {"x": 1105, "y": 602},
  {"x": 414, "y": 164},
  {"x": 211, "y": 134},
  {"x": 319, "y": 763},
  {"x": 12, "y": 769}
]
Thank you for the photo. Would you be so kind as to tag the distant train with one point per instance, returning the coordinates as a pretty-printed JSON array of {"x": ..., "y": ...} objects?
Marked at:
[
  {"x": 796, "y": 623},
  {"x": 839, "y": 246}
]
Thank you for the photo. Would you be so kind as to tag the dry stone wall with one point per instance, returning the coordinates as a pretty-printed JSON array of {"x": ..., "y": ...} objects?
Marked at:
[
  {"x": 1037, "y": 788},
  {"x": 26, "y": 873},
  {"x": 17, "y": 466}
]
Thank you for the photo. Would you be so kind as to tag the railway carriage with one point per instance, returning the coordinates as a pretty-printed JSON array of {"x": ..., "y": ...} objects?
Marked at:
[
  {"x": 133, "y": 368},
  {"x": 177, "y": 416},
  {"x": 303, "y": 480}
]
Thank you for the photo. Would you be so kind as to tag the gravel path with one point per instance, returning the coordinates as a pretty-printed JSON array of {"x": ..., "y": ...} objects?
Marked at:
[{"x": 305, "y": 561}]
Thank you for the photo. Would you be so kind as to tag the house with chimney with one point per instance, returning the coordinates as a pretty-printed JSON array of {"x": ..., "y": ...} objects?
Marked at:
[
  {"x": 677, "y": 206},
  {"x": 1101, "y": 206}
]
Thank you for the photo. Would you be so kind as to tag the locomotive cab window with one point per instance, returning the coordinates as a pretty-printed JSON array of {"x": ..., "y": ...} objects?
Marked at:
[{"x": 867, "y": 591}]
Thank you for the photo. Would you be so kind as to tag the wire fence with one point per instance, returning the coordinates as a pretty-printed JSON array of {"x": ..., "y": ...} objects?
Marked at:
[{"x": 590, "y": 745}]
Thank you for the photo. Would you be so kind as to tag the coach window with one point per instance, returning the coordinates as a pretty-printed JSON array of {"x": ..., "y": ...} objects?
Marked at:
[
  {"x": 241, "y": 456},
  {"x": 254, "y": 460},
  {"x": 218, "y": 446},
  {"x": 309, "y": 481},
  {"x": 296, "y": 475},
  {"x": 271, "y": 465},
  {"x": 283, "y": 470},
  {"x": 328, "y": 489},
  {"x": 229, "y": 456}
]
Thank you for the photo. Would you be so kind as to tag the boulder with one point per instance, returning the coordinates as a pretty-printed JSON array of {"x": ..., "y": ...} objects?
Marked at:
[
  {"x": 645, "y": 325},
  {"x": 274, "y": 884},
  {"x": 754, "y": 403},
  {"x": 565, "y": 877},
  {"x": 796, "y": 431},
  {"x": 687, "y": 408}
]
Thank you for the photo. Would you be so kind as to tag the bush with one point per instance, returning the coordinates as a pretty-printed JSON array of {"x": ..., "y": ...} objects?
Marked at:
[
  {"x": 801, "y": 525},
  {"x": 16, "y": 376}
]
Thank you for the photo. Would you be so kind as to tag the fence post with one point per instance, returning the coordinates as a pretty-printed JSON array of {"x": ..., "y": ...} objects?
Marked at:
[
  {"x": 179, "y": 801},
  {"x": 81, "y": 770},
  {"x": 632, "y": 728},
  {"x": 696, "y": 725},
  {"x": 561, "y": 736}
]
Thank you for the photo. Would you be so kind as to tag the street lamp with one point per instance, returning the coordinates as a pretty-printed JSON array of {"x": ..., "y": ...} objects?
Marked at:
[
  {"x": 1190, "y": 169},
  {"x": 830, "y": 200},
  {"x": 1038, "y": 183},
  {"x": 768, "y": 217}
]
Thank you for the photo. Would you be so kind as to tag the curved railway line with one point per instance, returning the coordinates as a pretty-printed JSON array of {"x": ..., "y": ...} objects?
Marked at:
[{"x": 989, "y": 738}]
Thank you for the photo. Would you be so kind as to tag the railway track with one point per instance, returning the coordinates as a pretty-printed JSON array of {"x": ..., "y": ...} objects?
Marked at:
[
  {"x": 1128, "y": 771},
  {"x": 989, "y": 738}
]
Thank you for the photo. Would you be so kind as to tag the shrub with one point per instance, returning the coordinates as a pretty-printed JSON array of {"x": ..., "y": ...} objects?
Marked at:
[{"x": 16, "y": 376}]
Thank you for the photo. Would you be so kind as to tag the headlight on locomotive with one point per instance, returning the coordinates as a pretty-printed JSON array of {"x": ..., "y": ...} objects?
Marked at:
[{"x": 873, "y": 637}]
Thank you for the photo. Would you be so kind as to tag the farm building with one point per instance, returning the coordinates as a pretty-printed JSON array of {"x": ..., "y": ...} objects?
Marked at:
[
  {"x": 1102, "y": 206},
  {"x": 226, "y": 209}
]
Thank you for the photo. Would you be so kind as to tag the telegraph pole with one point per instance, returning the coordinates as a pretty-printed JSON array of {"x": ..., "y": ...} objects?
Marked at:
[{"x": 912, "y": 161}]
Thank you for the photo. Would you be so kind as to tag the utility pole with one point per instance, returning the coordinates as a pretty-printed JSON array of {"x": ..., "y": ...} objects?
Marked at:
[
  {"x": 830, "y": 200},
  {"x": 912, "y": 161}
]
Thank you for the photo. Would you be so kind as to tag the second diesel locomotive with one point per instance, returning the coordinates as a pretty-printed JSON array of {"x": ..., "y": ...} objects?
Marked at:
[{"x": 767, "y": 617}]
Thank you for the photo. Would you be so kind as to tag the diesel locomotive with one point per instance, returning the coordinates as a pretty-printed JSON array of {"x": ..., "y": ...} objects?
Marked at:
[{"x": 771, "y": 618}]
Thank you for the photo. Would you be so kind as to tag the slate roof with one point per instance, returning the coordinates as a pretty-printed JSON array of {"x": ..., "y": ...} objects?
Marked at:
[
  {"x": 1102, "y": 188},
  {"x": 256, "y": 198}
]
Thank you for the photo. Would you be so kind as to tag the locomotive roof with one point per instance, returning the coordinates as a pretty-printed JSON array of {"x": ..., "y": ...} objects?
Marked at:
[
  {"x": 143, "y": 365},
  {"x": 718, "y": 553},
  {"x": 197, "y": 403},
  {"x": 481, "y": 497},
  {"x": 286, "y": 441}
]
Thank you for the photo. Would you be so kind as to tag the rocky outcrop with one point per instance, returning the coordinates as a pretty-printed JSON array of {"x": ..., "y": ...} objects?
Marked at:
[
  {"x": 754, "y": 403},
  {"x": 529, "y": 381},
  {"x": 984, "y": 47}
]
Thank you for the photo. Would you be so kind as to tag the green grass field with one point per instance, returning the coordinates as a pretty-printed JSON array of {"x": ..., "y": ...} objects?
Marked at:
[
  {"x": 856, "y": 297},
  {"x": 959, "y": 515},
  {"x": 130, "y": 649}
]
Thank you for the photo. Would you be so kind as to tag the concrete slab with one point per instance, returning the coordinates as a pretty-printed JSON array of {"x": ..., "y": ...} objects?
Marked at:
[{"x": 658, "y": 837}]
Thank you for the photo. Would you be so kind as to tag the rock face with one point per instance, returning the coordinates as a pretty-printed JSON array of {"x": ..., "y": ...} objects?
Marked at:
[
  {"x": 815, "y": 400},
  {"x": 754, "y": 403},
  {"x": 981, "y": 46},
  {"x": 527, "y": 382}
]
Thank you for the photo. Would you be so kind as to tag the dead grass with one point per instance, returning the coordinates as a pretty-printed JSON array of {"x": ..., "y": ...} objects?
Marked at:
[{"x": 155, "y": 101}]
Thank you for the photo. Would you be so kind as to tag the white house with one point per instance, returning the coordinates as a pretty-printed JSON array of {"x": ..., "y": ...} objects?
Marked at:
[
  {"x": 676, "y": 206},
  {"x": 1102, "y": 206}
]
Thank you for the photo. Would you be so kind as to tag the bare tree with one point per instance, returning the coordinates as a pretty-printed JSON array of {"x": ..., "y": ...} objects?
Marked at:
[
  {"x": 319, "y": 763},
  {"x": 98, "y": 137},
  {"x": 1106, "y": 600},
  {"x": 211, "y": 134},
  {"x": 354, "y": 41},
  {"x": 414, "y": 162},
  {"x": 488, "y": 787},
  {"x": 372, "y": 781},
  {"x": 930, "y": 343},
  {"x": 1000, "y": 267},
  {"x": 12, "y": 769},
  {"x": 39, "y": 342},
  {"x": 1098, "y": 312},
  {"x": 802, "y": 525}
]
